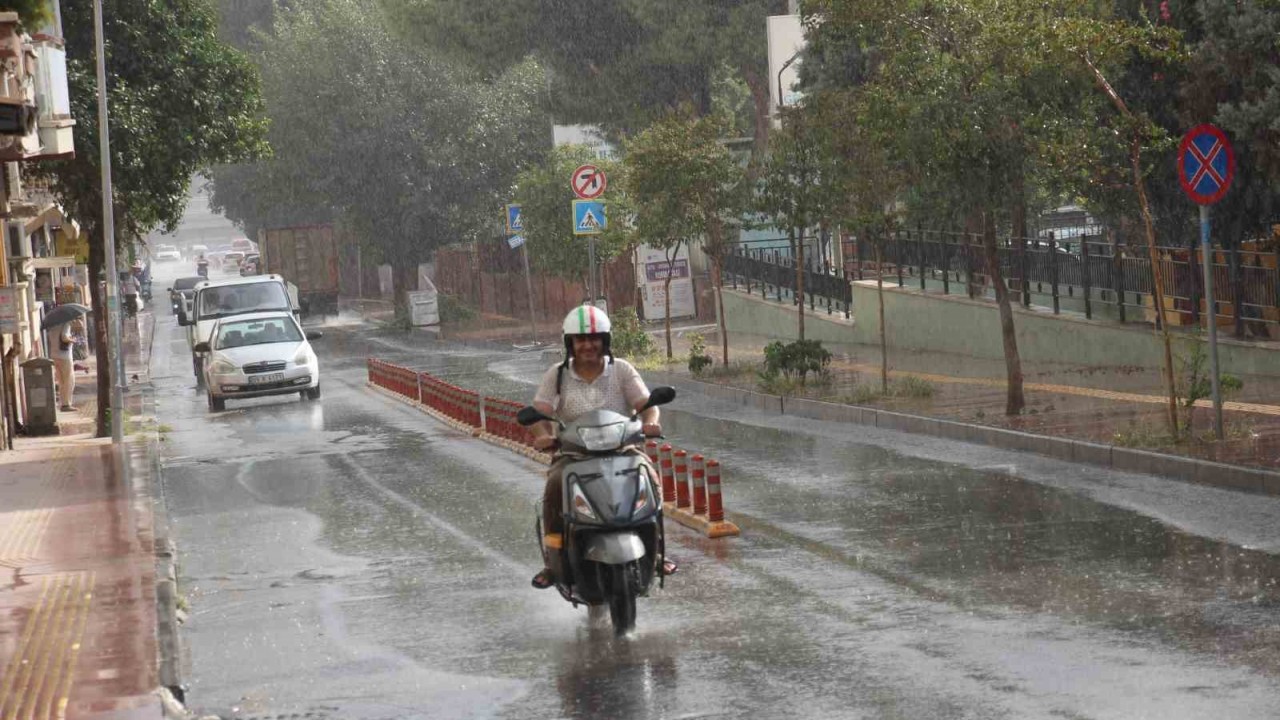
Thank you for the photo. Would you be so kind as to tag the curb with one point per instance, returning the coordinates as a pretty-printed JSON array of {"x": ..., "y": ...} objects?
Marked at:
[{"x": 1201, "y": 472}]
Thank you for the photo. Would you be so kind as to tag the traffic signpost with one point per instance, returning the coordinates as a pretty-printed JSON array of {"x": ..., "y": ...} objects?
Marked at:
[
  {"x": 588, "y": 182},
  {"x": 515, "y": 226},
  {"x": 1206, "y": 166}
]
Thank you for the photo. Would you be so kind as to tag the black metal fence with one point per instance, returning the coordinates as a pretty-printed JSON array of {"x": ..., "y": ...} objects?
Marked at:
[{"x": 1085, "y": 273}]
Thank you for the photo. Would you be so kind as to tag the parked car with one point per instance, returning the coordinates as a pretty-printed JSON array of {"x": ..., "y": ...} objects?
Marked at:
[
  {"x": 166, "y": 253},
  {"x": 182, "y": 291},
  {"x": 257, "y": 355}
]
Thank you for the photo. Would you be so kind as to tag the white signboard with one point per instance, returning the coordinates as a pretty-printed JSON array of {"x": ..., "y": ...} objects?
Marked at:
[
  {"x": 652, "y": 269},
  {"x": 587, "y": 135}
]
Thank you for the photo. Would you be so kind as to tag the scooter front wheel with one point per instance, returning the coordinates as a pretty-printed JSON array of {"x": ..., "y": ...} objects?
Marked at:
[{"x": 623, "y": 582}]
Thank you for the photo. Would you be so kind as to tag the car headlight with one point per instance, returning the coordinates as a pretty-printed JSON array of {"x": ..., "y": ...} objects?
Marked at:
[
  {"x": 222, "y": 367},
  {"x": 605, "y": 437},
  {"x": 303, "y": 357},
  {"x": 582, "y": 506}
]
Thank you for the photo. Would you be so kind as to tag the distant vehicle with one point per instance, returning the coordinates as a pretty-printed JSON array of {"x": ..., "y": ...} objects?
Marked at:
[
  {"x": 182, "y": 291},
  {"x": 259, "y": 354},
  {"x": 197, "y": 250},
  {"x": 166, "y": 253},
  {"x": 308, "y": 257},
  {"x": 225, "y": 297},
  {"x": 249, "y": 266},
  {"x": 244, "y": 245},
  {"x": 215, "y": 258},
  {"x": 231, "y": 261}
]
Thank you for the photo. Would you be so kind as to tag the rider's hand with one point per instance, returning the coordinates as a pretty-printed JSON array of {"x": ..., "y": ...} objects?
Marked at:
[
  {"x": 652, "y": 430},
  {"x": 545, "y": 442}
]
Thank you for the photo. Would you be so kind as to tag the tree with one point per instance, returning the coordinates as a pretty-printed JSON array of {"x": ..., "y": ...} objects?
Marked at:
[
  {"x": 409, "y": 151},
  {"x": 795, "y": 187},
  {"x": 546, "y": 200},
  {"x": 685, "y": 185},
  {"x": 167, "y": 122}
]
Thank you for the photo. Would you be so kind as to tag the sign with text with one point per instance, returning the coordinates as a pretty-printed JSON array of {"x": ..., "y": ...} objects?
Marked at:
[
  {"x": 652, "y": 268},
  {"x": 10, "y": 310}
]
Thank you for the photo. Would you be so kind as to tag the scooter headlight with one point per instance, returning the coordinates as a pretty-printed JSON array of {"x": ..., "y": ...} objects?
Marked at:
[
  {"x": 605, "y": 437},
  {"x": 582, "y": 506}
]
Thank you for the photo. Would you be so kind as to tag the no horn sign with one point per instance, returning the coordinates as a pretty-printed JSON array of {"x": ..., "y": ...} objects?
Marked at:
[{"x": 1206, "y": 164}]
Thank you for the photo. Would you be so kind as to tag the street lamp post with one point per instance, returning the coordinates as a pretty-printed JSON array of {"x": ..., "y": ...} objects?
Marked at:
[{"x": 109, "y": 239}]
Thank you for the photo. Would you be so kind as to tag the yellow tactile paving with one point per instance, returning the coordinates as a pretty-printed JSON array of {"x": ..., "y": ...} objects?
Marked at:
[
  {"x": 1074, "y": 390},
  {"x": 37, "y": 681},
  {"x": 22, "y": 533}
]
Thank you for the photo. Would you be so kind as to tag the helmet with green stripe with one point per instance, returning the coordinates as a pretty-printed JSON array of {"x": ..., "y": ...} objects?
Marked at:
[{"x": 586, "y": 320}]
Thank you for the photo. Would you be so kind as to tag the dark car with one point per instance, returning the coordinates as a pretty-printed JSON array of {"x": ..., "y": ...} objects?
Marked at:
[
  {"x": 249, "y": 265},
  {"x": 182, "y": 288}
]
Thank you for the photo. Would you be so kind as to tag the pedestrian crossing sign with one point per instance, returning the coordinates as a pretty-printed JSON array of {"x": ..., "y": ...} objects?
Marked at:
[
  {"x": 515, "y": 220},
  {"x": 589, "y": 217}
]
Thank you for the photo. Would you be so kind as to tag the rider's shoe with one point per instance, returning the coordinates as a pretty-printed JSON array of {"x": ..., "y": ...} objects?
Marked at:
[
  {"x": 669, "y": 567},
  {"x": 543, "y": 579}
]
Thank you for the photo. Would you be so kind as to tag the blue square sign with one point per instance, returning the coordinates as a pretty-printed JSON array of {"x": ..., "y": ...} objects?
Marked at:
[
  {"x": 515, "y": 220},
  {"x": 589, "y": 217}
]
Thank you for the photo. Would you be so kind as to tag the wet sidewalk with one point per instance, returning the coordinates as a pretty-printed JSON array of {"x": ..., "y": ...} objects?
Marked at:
[{"x": 78, "y": 617}]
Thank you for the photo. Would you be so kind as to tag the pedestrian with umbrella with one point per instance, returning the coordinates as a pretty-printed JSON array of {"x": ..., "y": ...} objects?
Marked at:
[{"x": 62, "y": 352}]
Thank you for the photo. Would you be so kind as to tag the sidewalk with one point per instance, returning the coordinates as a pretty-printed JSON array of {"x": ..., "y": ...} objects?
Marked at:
[{"x": 78, "y": 615}]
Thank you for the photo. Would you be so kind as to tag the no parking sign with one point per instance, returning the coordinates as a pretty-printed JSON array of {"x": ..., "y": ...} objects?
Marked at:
[{"x": 1206, "y": 164}]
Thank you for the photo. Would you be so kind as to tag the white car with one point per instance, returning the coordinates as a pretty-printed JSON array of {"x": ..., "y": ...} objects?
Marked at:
[
  {"x": 166, "y": 253},
  {"x": 260, "y": 354}
]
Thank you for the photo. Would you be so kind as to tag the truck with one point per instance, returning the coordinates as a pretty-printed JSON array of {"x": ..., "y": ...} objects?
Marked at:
[{"x": 306, "y": 256}]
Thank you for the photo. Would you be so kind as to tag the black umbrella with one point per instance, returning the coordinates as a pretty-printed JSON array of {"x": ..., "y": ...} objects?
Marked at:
[{"x": 63, "y": 314}]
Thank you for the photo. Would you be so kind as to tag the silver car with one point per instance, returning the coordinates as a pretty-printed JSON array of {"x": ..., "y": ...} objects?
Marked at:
[{"x": 260, "y": 354}]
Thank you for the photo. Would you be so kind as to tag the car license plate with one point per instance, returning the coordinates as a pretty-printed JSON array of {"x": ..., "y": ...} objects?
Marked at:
[{"x": 265, "y": 379}]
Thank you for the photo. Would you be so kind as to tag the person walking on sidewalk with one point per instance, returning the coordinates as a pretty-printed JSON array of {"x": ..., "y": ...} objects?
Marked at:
[{"x": 64, "y": 363}]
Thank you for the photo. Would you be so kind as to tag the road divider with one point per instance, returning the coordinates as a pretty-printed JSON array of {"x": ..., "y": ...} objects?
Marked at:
[{"x": 494, "y": 420}]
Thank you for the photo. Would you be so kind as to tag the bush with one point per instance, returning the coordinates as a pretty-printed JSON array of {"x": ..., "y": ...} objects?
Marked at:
[
  {"x": 629, "y": 338},
  {"x": 911, "y": 386},
  {"x": 699, "y": 360},
  {"x": 796, "y": 359},
  {"x": 452, "y": 310}
]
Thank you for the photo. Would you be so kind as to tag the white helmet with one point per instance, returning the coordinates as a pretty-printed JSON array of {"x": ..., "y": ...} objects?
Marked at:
[{"x": 586, "y": 320}]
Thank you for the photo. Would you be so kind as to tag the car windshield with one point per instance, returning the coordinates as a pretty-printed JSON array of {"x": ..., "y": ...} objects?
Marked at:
[
  {"x": 256, "y": 332},
  {"x": 220, "y": 301},
  {"x": 186, "y": 283}
]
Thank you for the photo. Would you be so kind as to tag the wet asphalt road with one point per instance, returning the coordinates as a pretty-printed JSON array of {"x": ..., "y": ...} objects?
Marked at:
[{"x": 351, "y": 558}]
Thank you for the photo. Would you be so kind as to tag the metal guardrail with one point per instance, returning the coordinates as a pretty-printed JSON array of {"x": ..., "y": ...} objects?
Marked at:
[{"x": 1083, "y": 269}]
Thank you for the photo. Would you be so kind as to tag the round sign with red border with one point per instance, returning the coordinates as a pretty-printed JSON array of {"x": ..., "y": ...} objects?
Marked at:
[
  {"x": 589, "y": 182},
  {"x": 1206, "y": 164}
]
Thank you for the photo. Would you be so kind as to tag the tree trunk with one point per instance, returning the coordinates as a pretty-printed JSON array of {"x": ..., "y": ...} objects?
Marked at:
[
  {"x": 101, "y": 330},
  {"x": 405, "y": 277},
  {"x": 716, "y": 231},
  {"x": 1158, "y": 285},
  {"x": 1015, "y": 401},
  {"x": 798, "y": 244},
  {"x": 884, "y": 342}
]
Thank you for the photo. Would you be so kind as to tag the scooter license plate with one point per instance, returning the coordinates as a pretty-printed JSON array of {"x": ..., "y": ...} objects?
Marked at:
[{"x": 265, "y": 379}]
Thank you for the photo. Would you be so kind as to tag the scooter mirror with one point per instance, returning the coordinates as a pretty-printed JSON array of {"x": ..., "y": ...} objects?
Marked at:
[
  {"x": 660, "y": 395},
  {"x": 529, "y": 415}
]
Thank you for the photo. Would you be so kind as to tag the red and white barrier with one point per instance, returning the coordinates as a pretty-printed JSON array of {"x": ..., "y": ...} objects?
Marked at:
[{"x": 691, "y": 486}]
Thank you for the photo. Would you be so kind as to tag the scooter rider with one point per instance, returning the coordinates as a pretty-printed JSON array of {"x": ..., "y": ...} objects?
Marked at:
[{"x": 590, "y": 378}]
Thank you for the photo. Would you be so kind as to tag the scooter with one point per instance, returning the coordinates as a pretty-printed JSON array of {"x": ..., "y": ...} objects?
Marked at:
[
  {"x": 202, "y": 268},
  {"x": 613, "y": 545}
]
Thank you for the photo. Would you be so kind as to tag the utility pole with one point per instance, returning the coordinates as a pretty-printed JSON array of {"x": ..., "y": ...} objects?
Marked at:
[{"x": 114, "y": 327}]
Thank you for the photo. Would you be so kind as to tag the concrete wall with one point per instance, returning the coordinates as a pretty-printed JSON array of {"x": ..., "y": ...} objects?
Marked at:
[
  {"x": 958, "y": 325},
  {"x": 770, "y": 318}
]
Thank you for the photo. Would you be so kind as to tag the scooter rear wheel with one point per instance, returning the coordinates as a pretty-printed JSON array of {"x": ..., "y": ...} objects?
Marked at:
[{"x": 622, "y": 597}]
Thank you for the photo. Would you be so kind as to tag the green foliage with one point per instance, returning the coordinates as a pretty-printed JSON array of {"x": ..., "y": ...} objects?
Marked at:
[
  {"x": 911, "y": 386},
  {"x": 546, "y": 202},
  {"x": 453, "y": 310},
  {"x": 795, "y": 359},
  {"x": 699, "y": 360},
  {"x": 167, "y": 122},
  {"x": 410, "y": 151},
  {"x": 1197, "y": 383},
  {"x": 34, "y": 14},
  {"x": 629, "y": 338}
]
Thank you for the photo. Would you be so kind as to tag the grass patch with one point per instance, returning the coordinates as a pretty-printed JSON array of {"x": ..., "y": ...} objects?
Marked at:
[
  {"x": 1142, "y": 435},
  {"x": 907, "y": 387}
]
